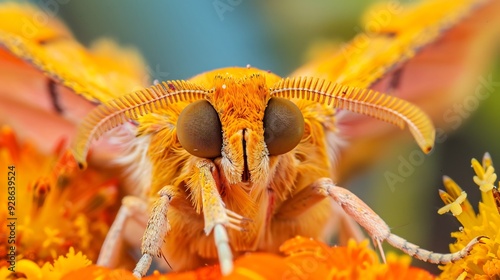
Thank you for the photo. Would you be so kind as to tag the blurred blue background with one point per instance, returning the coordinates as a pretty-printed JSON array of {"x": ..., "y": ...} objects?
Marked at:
[
  {"x": 185, "y": 39},
  {"x": 180, "y": 39}
]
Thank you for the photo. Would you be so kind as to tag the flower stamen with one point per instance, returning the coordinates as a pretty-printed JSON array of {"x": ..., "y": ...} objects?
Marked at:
[{"x": 452, "y": 205}]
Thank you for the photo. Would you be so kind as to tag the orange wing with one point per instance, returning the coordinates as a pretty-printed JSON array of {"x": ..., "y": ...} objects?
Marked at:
[
  {"x": 432, "y": 54},
  {"x": 43, "y": 66}
]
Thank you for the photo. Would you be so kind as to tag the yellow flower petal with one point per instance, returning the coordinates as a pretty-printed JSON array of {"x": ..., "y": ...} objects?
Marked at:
[
  {"x": 462, "y": 276},
  {"x": 30, "y": 269},
  {"x": 492, "y": 268},
  {"x": 5, "y": 272},
  {"x": 71, "y": 261},
  {"x": 478, "y": 169},
  {"x": 451, "y": 186}
]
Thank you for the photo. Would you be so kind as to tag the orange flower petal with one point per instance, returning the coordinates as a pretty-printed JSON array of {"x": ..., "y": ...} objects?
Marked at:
[
  {"x": 259, "y": 266},
  {"x": 94, "y": 271},
  {"x": 255, "y": 266}
]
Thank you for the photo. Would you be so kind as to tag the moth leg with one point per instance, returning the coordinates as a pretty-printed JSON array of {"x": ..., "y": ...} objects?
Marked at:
[
  {"x": 215, "y": 214},
  {"x": 156, "y": 230},
  {"x": 236, "y": 221},
  {"x": 133, "y": 209},
  {"x": 348, "y": 228},
  {"x": 379, "y": 230},
  {"x": 308, "y": 197},
  {"x": 223, "y": 249}
]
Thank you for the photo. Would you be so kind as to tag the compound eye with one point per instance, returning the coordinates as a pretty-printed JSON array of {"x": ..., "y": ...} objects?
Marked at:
[
  {"x": 283, "y": 126},
  {"x": 199, "y": 130}
]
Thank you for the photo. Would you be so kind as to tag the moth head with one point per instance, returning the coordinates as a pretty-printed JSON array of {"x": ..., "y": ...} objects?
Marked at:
[
  {"x": 241, "y": 125},
  {"x": 244, "y": 121}
]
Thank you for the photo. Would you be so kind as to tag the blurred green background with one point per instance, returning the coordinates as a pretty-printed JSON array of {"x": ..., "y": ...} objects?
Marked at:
[{"x": 182, "y": 38}]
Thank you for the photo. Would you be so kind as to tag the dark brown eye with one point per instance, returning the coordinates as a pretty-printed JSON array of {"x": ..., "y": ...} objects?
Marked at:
[
  {"x": 283, "y": 126},
  {"x": 199, "y": 130}
]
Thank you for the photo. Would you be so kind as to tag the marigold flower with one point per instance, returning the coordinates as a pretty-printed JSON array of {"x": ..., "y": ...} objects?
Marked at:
[
  {"x": 483, "y": 262},
  {"x": 62, "y": 265},
  {"x": 303, "y": 258},
  {"x": 57, "y": 207}
]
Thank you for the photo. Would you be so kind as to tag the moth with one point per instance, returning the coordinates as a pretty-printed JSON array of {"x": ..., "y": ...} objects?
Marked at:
[{"x": 238, "y": 159}]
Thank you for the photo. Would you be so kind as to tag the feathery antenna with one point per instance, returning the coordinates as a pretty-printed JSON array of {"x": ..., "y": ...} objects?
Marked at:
[
  {"x": 363, "y": 101},
  {"x": 131, "y": 107}
]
